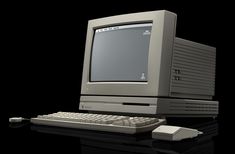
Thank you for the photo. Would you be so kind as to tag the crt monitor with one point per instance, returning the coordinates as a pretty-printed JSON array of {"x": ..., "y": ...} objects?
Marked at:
[{"x": 134, "y": 63}]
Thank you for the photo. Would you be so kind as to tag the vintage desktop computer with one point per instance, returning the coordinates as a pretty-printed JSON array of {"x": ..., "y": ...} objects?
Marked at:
[
  {"x": 134, "y": 63},
  {"x": 136, "y": 74}
]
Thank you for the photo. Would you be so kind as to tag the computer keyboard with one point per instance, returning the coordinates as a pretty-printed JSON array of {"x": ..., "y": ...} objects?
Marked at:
[{"x": 99, "y": 122}]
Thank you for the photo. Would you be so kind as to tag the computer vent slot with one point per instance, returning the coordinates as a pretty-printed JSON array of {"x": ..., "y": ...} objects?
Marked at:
[
  {"x": 190, "y": 107},
  {"x": 193, "y": 68}
]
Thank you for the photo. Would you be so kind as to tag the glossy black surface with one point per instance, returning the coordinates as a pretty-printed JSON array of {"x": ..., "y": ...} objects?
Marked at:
[{"x": 58, "y": 139}]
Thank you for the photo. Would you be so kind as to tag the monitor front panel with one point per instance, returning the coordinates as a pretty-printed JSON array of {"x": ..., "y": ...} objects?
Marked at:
[{"x": 129, "y": 55}]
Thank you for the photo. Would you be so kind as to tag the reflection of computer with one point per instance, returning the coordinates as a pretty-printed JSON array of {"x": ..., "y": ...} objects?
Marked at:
[
  {"x": 94, "y": 141},
  {"x": 134, "y": 64}
]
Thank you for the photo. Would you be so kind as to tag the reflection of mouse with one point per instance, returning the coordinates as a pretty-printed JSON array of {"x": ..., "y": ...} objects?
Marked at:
[{"x": 174, "y": 133}]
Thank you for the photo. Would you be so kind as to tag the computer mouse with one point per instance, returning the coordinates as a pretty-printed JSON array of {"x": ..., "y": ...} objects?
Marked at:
[{"x": 174, "y": 133}]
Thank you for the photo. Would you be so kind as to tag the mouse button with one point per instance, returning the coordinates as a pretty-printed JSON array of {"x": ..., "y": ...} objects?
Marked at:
[{"x": 168, "y": 129}]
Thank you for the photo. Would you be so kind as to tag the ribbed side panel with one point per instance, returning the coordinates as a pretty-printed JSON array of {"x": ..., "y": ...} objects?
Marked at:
[
  {"x": 193, "y": 68},
  {"x": 187, "y": 107},
  {"x": 190, "y": 107}
]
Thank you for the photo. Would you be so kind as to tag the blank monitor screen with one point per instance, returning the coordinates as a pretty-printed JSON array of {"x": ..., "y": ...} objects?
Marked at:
[{"x": 120, "y": 53}]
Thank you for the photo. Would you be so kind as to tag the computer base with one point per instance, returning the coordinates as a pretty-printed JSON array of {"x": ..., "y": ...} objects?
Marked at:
[{"x": 169, "y": 107}]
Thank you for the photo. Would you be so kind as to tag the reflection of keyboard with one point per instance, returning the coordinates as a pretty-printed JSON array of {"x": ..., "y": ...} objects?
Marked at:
[{"x": 101, "y": 122}]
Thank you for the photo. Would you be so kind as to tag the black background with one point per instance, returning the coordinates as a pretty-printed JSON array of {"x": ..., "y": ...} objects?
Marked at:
[{"x": 45, "y": 49}]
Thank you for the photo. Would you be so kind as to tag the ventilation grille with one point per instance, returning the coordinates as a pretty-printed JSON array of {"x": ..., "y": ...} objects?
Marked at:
[
  {"x": 193, "y": 68},
  {"x": 190, "y": 107}
]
